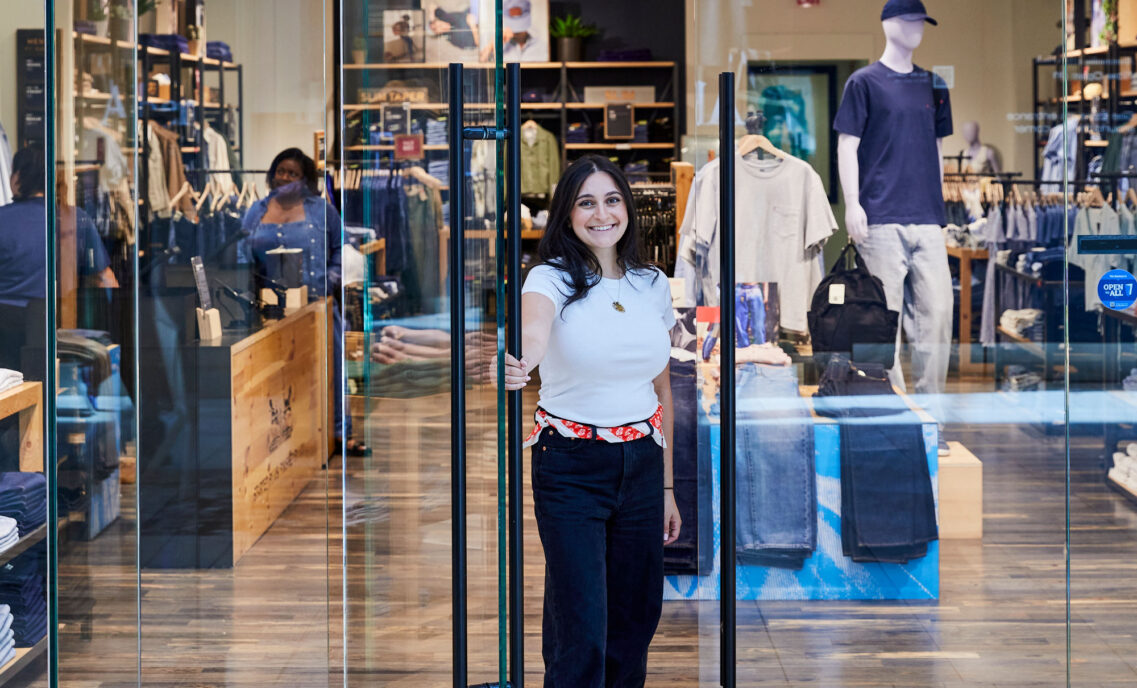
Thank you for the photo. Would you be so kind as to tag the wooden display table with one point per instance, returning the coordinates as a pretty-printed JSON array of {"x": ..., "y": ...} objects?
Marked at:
[{"x": 259, "y": 430}]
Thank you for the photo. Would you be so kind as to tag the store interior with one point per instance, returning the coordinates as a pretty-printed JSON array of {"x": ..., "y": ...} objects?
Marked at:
[{"x": 253, "y": 433}]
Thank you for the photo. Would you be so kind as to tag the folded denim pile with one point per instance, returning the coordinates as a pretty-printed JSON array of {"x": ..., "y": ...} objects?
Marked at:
[
  {"x": 9, "y": 532},
  {"x": 7, "y": 636},
  {"x": 577, "y": 132},
  {"x": 218, "y": 50},
  {"x": 173, "y": 42},
  {"x": 436, "y": 131},
  {"x": 1026, "y": 322},
  {"x": 888, "y": 510},
  {"x": 10, "y": 379},
  {"x": 22, "y": 591},
  {"x": 439, "y": 169},
  {"x": 23, "y": 497},
  {"x": 1124, "y": 471},
  {"x": 1019, "y": 379}
]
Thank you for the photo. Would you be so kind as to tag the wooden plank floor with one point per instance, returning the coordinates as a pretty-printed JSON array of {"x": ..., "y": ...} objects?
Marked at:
[{"x": 277, "y": 620}]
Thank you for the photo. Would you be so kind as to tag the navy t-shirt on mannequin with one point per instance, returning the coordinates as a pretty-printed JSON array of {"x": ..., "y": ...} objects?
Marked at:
[{"x": 898, "y": 118}]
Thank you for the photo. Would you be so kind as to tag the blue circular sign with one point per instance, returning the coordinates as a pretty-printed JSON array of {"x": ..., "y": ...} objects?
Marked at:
[{"x": 1117, "y": 290}]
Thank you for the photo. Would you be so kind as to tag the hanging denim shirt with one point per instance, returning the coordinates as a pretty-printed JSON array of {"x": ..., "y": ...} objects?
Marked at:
[{"x": 319, "y": 235}]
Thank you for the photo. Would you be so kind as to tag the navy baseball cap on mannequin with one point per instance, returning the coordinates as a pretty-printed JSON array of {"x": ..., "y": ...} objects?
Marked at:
[{"x": 900, "y": 8}]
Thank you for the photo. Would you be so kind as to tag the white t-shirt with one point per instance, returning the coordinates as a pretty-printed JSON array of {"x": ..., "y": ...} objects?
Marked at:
[
  {"x": 600, "y": 363},
  {"x": 782, "y": 220}
]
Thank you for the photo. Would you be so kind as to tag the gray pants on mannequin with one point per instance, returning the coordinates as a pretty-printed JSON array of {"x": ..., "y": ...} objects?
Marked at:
[{"x": 911, "y": 263}]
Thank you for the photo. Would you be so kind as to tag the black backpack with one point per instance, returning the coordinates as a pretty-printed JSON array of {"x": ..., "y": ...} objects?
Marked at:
[{"x": 849, "y": 315}]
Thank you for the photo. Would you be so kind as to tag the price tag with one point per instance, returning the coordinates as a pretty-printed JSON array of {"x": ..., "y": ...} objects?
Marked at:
[{"x": 1117, "y": 290}]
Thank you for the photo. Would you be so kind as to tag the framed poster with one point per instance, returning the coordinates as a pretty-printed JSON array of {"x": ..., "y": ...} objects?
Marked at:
[
  {"x": 452, "y": 29},
  {"x": 404, "y": 36},
  {"x": 797, "y": 103},
  {"x": 525, "y": 32},
  {"x": 619, "y": 121}
]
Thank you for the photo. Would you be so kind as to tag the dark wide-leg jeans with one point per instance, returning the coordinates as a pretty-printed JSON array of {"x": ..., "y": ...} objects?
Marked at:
[{"x": 599, "y": 510}]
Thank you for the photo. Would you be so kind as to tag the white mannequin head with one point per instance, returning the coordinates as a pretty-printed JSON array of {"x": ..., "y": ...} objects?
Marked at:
[
  {"x": 970, "y": 132},
  {"x": 904, "y": 32}
]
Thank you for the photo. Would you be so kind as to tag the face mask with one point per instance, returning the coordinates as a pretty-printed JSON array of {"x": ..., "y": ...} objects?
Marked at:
[{"x": 292, "y": 190}]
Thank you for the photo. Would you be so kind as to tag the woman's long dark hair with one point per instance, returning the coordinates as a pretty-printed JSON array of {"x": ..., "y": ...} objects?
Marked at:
[
  {"x": 307, "y": 165},
  {"x": 561, "y": 248}
]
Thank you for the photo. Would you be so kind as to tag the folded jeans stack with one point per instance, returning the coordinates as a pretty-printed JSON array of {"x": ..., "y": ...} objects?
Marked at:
[
  {"x": 166, "y": 41},
  {"x": 9, "y": 532},
  {"x": 1018, "y": 378},
  {"x": 22, "y": 590},
  {"x": 888, "y": 511},
  {"x": 436, "y": 131},
  {"x": 218, "y": 50},
  {"x": 7, "y": 636},
  {"x": 439, "y": 169},
  {"x": 577, "y": 132},
  {"x": 776, "y": 473},
  {"x": 23, "y": 497}
]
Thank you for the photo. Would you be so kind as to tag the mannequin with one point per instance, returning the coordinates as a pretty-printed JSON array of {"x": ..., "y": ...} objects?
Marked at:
[
  {"x": 892, "y": 122},
  {"x": 981, "y": 159}
]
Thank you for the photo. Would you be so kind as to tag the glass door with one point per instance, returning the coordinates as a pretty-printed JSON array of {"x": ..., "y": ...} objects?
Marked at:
[{"x": 420, "y": 178}]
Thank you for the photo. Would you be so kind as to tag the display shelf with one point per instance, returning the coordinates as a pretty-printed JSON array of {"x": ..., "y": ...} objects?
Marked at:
[
  {"x": 442, "y": 65},
  {"x": 619, "y": 146},
  {"x": 19, "y": 398},
  {"x": 391, "y": 148},
  {"x": 601, "y": 106},
  {"x": 1097, "y": 144},
  {"x": 24, "y": 657},
  {"x": 24, "y": 543},
  {"x": 620, "y": 65}
]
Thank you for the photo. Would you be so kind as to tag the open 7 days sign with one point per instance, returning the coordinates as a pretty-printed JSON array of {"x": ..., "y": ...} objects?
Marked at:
[{"x": 1117, "y": 290}]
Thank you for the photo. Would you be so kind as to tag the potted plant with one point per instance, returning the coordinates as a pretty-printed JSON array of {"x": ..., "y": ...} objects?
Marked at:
[
  {"x": 121, "y": 22},
  {"x": 359, "y": 50},
  {"x": 570, "y": 32},
  {"x": 97, "y": 15}
]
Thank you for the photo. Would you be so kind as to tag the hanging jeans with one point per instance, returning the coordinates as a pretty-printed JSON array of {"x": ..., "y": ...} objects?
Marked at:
[
  {"x": 599, "y": 509},
  {"x": 750, "y": 315},
  {"x": 682, "y": 556},
  {"x": 776, "y": 473}
]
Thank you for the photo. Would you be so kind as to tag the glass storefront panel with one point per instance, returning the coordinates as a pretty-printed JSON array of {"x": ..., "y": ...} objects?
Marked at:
[
  {"x": 394, "y": 180},
  {"x": 923, "y": 444}
]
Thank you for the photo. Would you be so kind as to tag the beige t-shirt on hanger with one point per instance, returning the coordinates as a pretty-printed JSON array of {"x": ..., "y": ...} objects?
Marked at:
[{"x": 782, "y": 220}]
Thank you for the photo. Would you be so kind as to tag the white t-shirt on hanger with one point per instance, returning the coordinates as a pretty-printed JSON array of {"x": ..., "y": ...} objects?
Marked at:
[{"x": 782, "y": 220}]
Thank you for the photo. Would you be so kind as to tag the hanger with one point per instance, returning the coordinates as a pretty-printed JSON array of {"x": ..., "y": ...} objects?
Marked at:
[
  {"x": 186, "y": 189},
  {"x": 205, "y": 194},
  {"x": 752, "y": 142},
  {"x": 530, "y": 124},
  {"x": 419, "y": 174}
]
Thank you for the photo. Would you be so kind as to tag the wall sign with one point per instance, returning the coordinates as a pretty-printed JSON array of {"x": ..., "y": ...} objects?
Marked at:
[{"x": 1117, "y": 290}]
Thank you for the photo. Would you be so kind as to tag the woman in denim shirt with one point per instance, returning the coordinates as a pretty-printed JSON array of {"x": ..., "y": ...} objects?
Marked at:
[{"x": 295, "y": 215}]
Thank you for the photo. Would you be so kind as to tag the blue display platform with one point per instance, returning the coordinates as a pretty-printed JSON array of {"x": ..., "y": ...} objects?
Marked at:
[{"x": 827, "y": 574}]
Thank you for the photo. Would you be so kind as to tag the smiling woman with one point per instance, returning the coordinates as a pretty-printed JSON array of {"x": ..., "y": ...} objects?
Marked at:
[{"x": 602, "y": 477}]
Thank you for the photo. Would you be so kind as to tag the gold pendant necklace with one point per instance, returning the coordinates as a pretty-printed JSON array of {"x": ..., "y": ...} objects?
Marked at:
[{"x": 616, "y": 305}]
